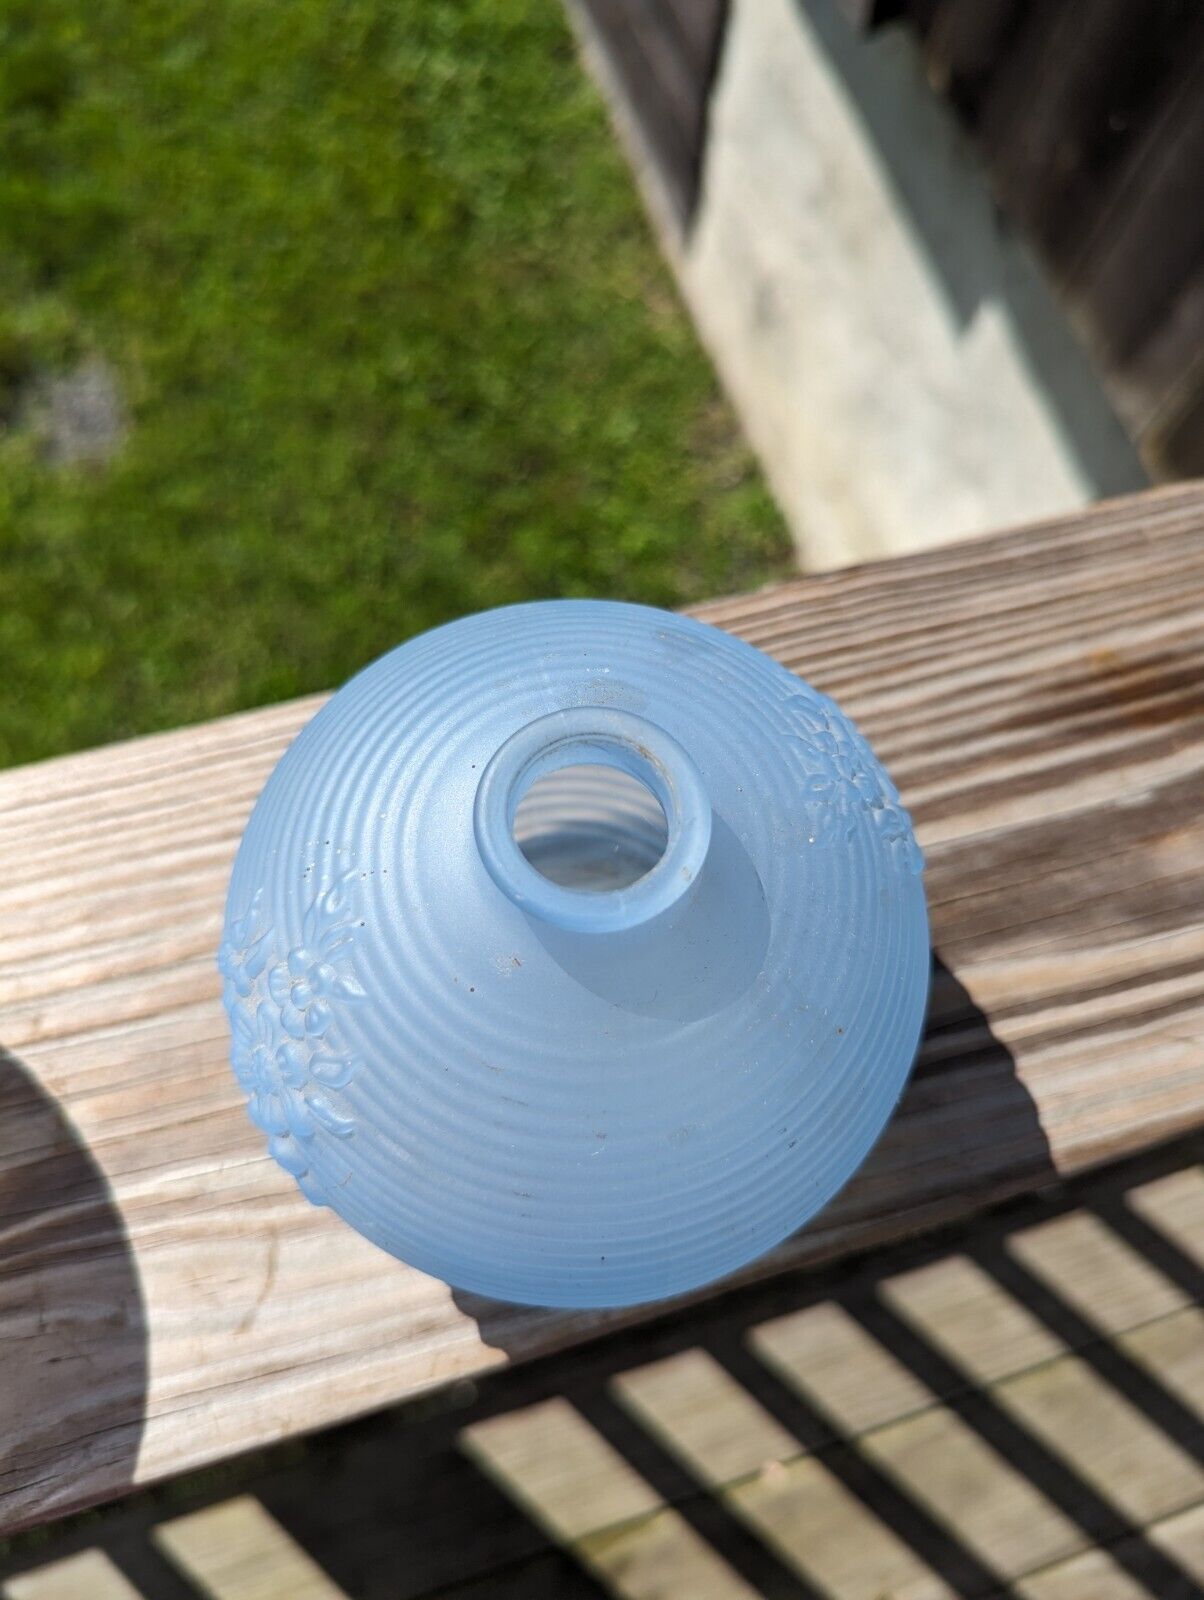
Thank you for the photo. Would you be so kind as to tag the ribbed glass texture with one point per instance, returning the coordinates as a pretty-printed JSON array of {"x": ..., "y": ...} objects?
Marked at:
[{"x": 575, "y": 953}]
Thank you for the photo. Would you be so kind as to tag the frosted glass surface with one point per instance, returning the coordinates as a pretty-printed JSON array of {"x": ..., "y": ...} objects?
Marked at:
[{"x": 575, "y": 953}]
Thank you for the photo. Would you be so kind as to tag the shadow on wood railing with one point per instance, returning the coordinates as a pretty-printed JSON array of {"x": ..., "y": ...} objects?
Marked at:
[{"x": 73, "y": 1335}]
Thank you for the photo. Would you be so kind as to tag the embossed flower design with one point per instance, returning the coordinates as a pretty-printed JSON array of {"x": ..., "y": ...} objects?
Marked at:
[
  {"x": 280, "y": 1078},
  {"x": 253, "y": 1056},
  {"x": 305, "y": 982},
  {"x": 844, "y": 779},
  {"x": 288, "y": 1049},
  {"x": 305, "y": 1106},
  {"x": 243, "y": 954}
]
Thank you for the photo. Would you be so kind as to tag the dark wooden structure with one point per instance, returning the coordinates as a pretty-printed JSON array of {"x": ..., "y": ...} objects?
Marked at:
[
  {"x": 664, "y": 54},
  {"x": 1090, "y": 118},
  {"x": 1090, "y": 114}
]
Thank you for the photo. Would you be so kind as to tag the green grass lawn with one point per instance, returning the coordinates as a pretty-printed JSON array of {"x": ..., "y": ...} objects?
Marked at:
[{"x": 391, "y": 335}]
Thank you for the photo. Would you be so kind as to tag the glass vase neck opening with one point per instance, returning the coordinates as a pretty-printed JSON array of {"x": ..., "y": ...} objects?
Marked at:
[{"x": 583, "y": 737}]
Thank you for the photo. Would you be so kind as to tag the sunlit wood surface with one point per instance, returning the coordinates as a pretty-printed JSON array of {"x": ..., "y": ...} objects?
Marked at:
[{"x": 168, "y": 1299}]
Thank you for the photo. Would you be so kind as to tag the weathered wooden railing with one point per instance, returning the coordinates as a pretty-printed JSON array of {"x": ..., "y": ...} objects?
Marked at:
[{"x": 167, "y": 1298}]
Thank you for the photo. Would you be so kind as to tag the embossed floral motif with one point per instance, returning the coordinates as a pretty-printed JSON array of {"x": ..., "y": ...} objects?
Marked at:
[
  {"x": 255, "y": 1036},
  {"x": 845, "y": 780},
  {"x": 243, "y": 954},
  {"x": 305, "y": 982},
  {"x": 284, "y": 1007}
]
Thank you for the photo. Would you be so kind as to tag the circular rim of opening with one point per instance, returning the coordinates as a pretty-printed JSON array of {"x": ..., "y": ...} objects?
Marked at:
[{"x": 593, "y": 736}]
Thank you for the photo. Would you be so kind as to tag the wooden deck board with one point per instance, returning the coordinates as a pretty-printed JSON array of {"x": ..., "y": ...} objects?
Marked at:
[
  {"x": 168, "y": 1299},
  {"x": 236, "y": 1551},
  {"x": 90, "y": 1573},
  {"x": 720, "y": 1452}
]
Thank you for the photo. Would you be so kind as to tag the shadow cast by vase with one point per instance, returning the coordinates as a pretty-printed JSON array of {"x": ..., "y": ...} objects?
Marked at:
[{"x": 73, "y": 1335}]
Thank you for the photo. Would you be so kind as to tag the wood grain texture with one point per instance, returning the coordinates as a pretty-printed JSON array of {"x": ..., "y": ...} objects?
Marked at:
[
  {"x": 1039, "y": 697},
  {"x": 1148, "y": 240},
  {"x": 1090, "y": 121},
  {"x": 1118, "y": 1469},
  {"x": 236, "y": 1551},
  {"x": 91, "y": 1573},
  {"x": 1100, "y": 1575},
  {"x": 693, "y": 1456}
]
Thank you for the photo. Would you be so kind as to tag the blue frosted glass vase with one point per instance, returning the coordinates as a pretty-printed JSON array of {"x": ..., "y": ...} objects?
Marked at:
[{"x": 575, "y": 953}]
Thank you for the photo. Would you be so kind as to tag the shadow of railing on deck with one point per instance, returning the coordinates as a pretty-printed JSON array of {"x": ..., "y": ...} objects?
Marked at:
[{"x": 398, "y": 1505}]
